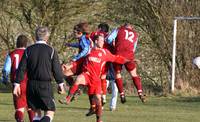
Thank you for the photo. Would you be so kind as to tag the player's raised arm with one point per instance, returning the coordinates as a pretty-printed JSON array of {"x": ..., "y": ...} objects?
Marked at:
[
  {"x": 85, "y": 45},
  {"x": 112, "y": 36}
]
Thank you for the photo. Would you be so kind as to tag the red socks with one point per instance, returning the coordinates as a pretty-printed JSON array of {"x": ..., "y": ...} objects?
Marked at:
[
  {"x": 73, "y": 89},
  {"x": 137, "y": 83},
  {"x": 31, "y": 114},
  {"x": 119, "y": 84},
  {"x": 99, "y": 110},
  {"x": 19, "y": 116}
]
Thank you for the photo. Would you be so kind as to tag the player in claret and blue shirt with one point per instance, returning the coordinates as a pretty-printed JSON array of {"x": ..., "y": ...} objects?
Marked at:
[
  {"x": 125, "y": 41},
  {"x": 11, "y": 64}
]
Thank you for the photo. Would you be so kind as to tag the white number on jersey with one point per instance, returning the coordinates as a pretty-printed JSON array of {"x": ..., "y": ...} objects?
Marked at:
[
  {"x": 17, "y": 60},
  {"x": 129, "y": 35}
]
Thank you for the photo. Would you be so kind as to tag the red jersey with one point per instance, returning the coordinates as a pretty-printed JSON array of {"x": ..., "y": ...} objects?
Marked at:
[
  {"x": 16, "y": 56},
  {"x": 124, "y": 43},
  {"x": 97, "y": 59}
]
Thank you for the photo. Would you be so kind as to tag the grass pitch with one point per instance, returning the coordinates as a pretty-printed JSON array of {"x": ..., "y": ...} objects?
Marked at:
[{"x": 157, "y": 109}]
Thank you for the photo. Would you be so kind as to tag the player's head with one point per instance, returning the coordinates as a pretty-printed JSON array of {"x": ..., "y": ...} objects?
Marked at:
[
  {"x": 99, "y": 40},
  {"x": 103, "y": 27},
  {"x": 80, "y": 29},
  {"x": 128, "y": 25},
  {"x": 42, "y": 34},
  {"x": 21, "y": 41}
]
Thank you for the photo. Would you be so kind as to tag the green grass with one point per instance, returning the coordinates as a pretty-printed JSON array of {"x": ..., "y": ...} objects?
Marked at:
[{"x": 157, "y": 109}]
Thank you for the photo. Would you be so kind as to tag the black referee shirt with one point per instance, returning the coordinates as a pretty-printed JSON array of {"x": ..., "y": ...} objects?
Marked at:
[{"x": 41, "y": 63}]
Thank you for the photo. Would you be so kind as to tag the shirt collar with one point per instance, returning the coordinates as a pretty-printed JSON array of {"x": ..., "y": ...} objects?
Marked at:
[
  {"x": 21, "y": 48},
  {"x": 41, "y": 42}
]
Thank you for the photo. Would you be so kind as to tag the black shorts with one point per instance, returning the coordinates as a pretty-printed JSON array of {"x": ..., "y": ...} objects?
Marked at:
[{"x": 40, "y": 95}]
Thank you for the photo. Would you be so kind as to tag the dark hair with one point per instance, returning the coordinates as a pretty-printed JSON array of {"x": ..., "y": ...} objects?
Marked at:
[
  {"x": 82, "y": 27},
  {"x": 21, "y": 41},
  {"x": 104, "y": 27}
]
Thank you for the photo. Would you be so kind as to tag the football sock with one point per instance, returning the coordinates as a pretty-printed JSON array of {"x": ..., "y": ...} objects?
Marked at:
[
  {"x": 99, "y": 110},
  {"x": 30, "y": 115},
  {"x": 19, "y": 116},
  {"x": 138, "y": 84},
  {"x": 45, "y": 119},
  {"x": 119, "y": 84},
  {"x": 73, "y": 89}
]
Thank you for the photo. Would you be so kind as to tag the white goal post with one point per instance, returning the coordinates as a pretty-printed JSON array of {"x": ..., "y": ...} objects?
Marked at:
[{"x": 174, "y": 47}]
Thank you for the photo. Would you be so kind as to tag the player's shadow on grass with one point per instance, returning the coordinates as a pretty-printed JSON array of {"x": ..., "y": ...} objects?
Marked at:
[{"x": 188, "y": 99}]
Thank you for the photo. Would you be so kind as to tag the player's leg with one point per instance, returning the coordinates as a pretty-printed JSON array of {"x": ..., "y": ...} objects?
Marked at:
[
  {"x": 131, "y": 67},
  {"x": 80, "y": 80},
  {"x": 20, "y": 104},
  {"x": 104, "y": 87},
  {"x": 119, "y": 81},
  {"x": 37, "y": 115},
  {"x": 98, "y": 108},
  {"x": 68, "y": 73},
  {"x": 19, "y": 115},
  {"x": 48, "y": 116},
  {"x": 30, "y": 114},
  {"x": 113, "y": 102}
]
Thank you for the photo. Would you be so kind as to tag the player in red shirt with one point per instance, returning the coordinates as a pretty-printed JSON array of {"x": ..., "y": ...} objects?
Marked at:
[
  {"x": 84, "y": 44},
  {"x": 91, "y": 73},
  {"x": 10, "y": 67},
  {"x": 125, "y": 39},
  {"x": 103, "y": 29}
]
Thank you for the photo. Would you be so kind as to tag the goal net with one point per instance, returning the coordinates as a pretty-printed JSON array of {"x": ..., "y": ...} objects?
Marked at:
[{"x": 186, "y": 46}]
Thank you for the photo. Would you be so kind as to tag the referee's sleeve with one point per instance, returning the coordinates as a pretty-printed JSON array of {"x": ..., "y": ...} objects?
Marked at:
[
  {"x": 56, "y": 68},
  {"x": 21, "y": 69}
]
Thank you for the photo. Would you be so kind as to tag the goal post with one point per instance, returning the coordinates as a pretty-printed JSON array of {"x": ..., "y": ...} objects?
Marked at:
[{"x": 174, "y": 47}]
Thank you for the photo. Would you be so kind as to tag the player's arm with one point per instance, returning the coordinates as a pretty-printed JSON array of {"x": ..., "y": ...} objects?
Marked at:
[
  {"x": 76, "y": 45},
  {"x": 6, "y": 69},
  {"x": 85, "y": 45},
  {"x": 21, "y": 69},
  {"x": 20, "y": 75},
  {"x": 115, "y": 58},
  {"x": 112, "y": 36},
  {"x": 57, "y": 72}
]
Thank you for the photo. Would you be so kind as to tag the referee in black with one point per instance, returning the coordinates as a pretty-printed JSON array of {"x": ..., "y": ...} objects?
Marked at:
[{"x": 41, "y": 63}]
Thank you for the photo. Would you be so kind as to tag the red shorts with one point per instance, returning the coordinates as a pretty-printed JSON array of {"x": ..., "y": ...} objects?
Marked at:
[
  {"x": 129, "y": 66},
  {"x": 93, "y": 83},
  {"x": 77, "y": 66},
  {"x": 21, "y": 102}
]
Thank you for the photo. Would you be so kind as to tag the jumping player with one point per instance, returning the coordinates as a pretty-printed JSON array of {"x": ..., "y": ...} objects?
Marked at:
[
  {"x": 91, "y": 73},
  {"x": 84, "y": 44},
  {"x": 126, "y": 38},
  {"x": 103, "y": 29},
  {"x": 10, "y": 67}
]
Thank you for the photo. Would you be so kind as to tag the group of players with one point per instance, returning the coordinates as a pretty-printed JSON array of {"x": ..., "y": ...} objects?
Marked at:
[{"x": 99, "y": 52}]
